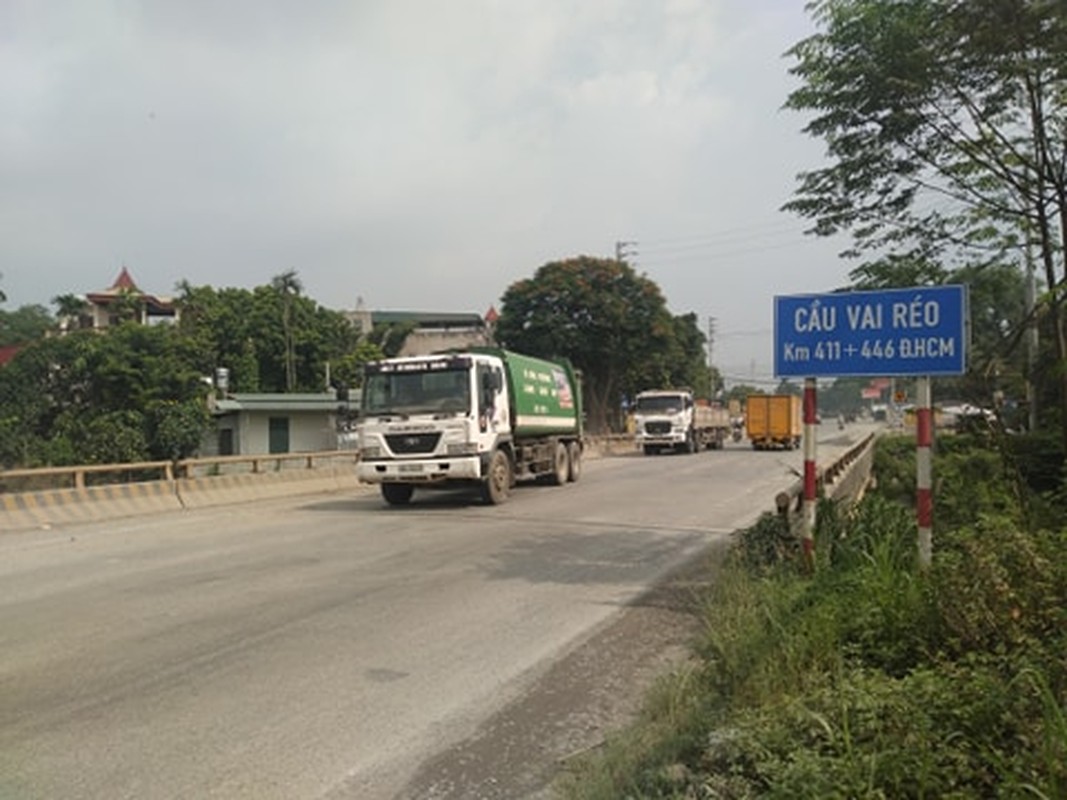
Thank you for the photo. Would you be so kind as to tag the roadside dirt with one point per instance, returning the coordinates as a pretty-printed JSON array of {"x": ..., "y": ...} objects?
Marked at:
[{"x": 596, "y": 689}]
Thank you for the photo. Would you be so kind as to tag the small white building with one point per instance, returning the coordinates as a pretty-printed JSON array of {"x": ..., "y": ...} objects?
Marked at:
[{"x": 251, "y": 424}]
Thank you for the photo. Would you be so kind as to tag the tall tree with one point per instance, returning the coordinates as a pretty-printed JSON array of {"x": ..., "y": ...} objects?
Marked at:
[
  {"x": 943, "y": 121},
  {"x": 608, "y": 320},
  {"x": 288, "y": 286},
  {"x": 71, "y": 310}
]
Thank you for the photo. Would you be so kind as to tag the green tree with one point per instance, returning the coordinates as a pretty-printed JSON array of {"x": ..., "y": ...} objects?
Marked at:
[
  {"x": 25, "y": 324},
  {"x": 239, "y": 329},
  {"x": 71, "y": 311},
  {"x": 391, "y": 336},
  {"x": 609, "y": 321},
  {"x": 92, "y": 397},
  {"x": 348, "y": 370},
  {"x": 288, "y": 286},
  {"x": 128, "y": 306},
  {"x": 943, "y": 121}
]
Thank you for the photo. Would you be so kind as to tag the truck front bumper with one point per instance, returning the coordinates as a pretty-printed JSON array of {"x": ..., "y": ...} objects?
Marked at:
[
  {"x": 422, "y": 470},
  {"x": 661, "y": 439}
]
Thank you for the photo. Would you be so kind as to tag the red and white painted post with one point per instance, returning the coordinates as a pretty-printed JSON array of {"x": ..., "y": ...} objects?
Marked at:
[
  {"x": 810, "y": 482},
  {"x": 924, "y": 440}
]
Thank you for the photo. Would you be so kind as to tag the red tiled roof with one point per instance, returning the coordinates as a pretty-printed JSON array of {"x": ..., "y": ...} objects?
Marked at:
[
  {"x": 124, "y": 282},
  {"x": 8, "y": 352}
]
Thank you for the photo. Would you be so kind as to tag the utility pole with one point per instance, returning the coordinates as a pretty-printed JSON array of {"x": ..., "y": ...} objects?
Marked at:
[
  {"x": 711, "y": 360},
  {"x": 624, "y": 250}
]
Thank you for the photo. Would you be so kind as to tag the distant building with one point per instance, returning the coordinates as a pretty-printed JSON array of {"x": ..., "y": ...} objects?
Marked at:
[
  {"x": 432, "y": 331},
  {"x": 254, "y": 424},
  {"x": 102, "y": 308}
]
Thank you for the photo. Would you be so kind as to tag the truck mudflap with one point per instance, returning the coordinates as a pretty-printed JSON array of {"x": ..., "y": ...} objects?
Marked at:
[{"x": 423, "y": 470}]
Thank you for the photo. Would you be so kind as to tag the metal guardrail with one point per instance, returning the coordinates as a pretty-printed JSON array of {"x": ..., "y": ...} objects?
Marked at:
[
  {"x": 74, "y": 477},
  {"x": 845, "y": 476}
]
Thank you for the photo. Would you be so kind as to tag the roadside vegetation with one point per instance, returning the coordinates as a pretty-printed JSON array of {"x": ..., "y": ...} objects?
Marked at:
[{"x": 871, "y": 678}]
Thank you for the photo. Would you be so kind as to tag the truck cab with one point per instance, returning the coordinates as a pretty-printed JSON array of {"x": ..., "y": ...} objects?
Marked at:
[
  {"x": 663, "y": 419},
  {"x": 431, "y": 419}
]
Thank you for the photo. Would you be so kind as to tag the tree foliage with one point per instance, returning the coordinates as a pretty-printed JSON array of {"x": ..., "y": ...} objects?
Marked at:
[
  {"x": 25, "y": 324},
  {"x": 612, "y": 323},
  {"x": 943, "y": 122},
  {"x": 130, "y": 394},
  {"x": 271, "y": 338}
]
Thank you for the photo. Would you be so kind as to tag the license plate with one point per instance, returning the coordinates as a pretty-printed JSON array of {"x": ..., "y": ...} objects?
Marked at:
[{"x": 411, "y": 467}]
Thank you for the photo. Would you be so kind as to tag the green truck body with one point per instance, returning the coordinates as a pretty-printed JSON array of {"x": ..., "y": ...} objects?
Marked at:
[{"x": 545, "y": 395}]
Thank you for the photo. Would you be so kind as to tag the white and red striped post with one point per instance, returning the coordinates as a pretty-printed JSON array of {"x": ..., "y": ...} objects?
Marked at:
[
  {"x": 924, "y": 500},
  {"x": 810, "y": 482}
]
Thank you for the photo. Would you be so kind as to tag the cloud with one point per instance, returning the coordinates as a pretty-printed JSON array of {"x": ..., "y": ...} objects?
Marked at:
[{"x": 420, "y": 154}]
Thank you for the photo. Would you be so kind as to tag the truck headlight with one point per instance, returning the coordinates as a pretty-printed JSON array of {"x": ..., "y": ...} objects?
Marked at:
[
  {"x": 462, "y": 448},
  {"x": 370, "y": 451}
]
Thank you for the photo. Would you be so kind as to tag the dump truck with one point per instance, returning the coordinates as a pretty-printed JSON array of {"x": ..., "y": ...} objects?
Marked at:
[
  {"x": 484, "y": 417},
  {"x": 773, "y": 421},
  {"x": 672, "y": 419}
]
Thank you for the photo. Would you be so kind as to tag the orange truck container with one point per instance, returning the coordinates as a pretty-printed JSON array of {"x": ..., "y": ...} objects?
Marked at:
[{"x": 773, "y": 421}]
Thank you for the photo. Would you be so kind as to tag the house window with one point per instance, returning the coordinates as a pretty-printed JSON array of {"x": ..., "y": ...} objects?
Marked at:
[{"x": 278, "y": 441}]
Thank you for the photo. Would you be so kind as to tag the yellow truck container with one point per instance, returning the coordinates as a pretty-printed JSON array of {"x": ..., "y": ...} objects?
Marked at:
[{"x": 773, "y": 421}]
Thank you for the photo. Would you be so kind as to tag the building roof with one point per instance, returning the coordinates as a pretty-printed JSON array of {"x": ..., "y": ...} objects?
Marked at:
[
  {"x": 429, "y": 319},
  {"x": 124, "y": 284},
  {"x": 8, "y": 352},
  {"x": 233, "y": 403}
]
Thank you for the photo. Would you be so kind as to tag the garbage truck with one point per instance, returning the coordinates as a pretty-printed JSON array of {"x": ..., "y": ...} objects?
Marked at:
[
  {"x": 484, "y": 417},
  {"x": 672, "y": 419}
]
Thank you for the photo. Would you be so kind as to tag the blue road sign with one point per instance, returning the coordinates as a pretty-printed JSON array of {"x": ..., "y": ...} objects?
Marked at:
[{"x": 918, "y": 331}]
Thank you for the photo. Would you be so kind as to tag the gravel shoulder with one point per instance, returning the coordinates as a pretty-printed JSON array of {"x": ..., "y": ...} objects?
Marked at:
[{"x": 596, "y": 689}]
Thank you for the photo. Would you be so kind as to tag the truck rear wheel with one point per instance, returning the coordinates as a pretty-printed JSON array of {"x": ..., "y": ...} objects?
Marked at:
[
  {"x": 560, "y": 465},
  {"x": 397, "y": 494},
  {"x": 497, "y": 483},
  {"x": 574, "y": 450}
]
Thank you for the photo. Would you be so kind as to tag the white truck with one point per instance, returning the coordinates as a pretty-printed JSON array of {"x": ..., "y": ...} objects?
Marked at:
[
  {"x": 672, "y": 419},
  {"x": 484, "y": 418}
]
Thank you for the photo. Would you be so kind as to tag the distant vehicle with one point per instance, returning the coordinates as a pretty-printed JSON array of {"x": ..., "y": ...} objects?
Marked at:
[
  {"x": 486, "y": 418},
  {"x": 672, "y": 419},
  {"x": 773, "y": 421}
]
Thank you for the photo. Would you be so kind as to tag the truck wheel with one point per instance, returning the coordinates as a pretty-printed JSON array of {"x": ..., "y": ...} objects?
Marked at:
[
  {"x": 574, "y": 450},
  {"x": 560, "y": 465},
  {"x": 497, "y": 483},
  {"x": 690, "y": 445},
  {"x": 397, "y": 494}
]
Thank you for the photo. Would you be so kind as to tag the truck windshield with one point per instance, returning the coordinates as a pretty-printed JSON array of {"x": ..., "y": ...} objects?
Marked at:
[
  {"x": 662, "y": 404},
  {"x": 433, "y": 392}
]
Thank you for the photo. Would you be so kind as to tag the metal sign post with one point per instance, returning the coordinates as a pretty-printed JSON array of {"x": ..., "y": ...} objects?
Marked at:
[
  {"x": 921, "y": 331},
  {"x": 810, "y": 482},
  {"x": 924, "y": 498}
]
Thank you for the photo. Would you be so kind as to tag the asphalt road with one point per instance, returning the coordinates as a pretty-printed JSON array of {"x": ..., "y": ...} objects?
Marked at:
[{"x": 331, "y": 647}]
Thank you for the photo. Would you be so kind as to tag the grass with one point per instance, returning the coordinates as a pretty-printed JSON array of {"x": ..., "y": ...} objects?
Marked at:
[{"x": 870, "y": 679}]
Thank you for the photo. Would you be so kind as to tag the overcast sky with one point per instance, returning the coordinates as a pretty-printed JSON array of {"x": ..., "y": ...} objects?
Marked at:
[{"x": 420, "y": 154}]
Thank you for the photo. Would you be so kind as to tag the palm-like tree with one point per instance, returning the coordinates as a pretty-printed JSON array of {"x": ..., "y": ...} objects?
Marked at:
[
  {"x": 70, "y": 309},
  {"x": 289, "y": 287}
]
